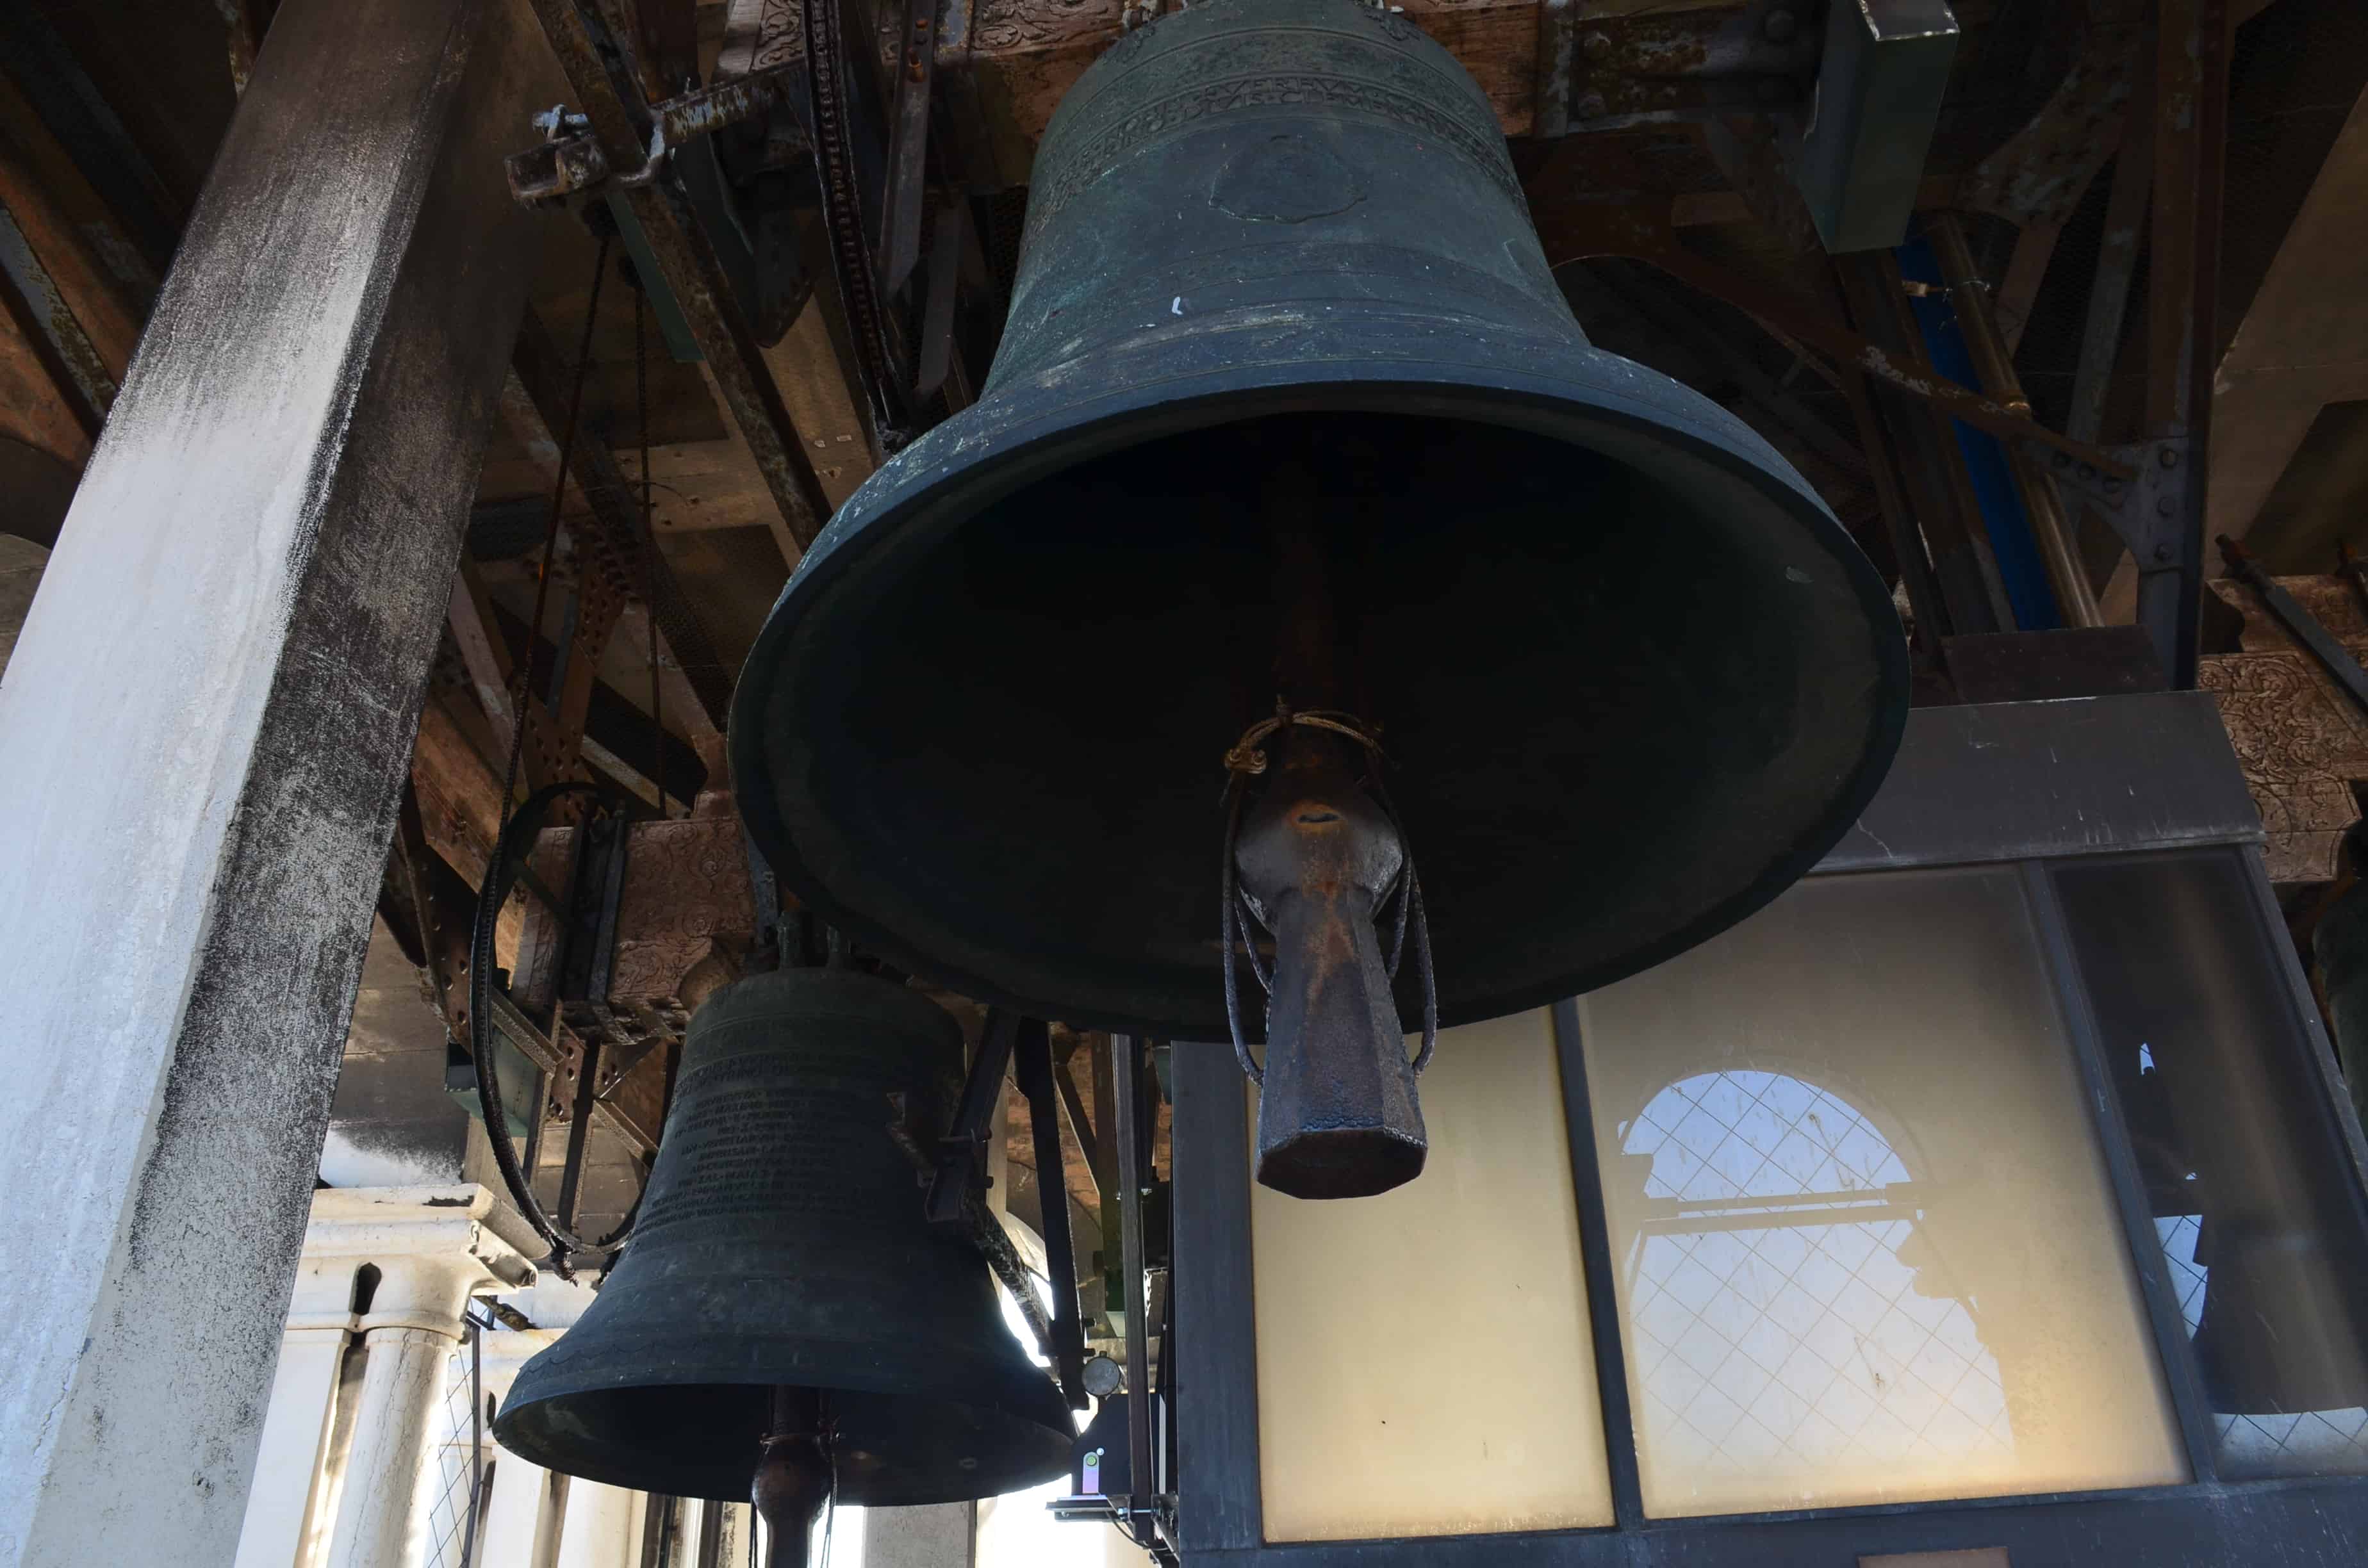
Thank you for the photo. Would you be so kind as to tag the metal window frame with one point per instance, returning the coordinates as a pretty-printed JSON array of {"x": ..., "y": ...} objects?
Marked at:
[{"x": 2127, "y": 775}]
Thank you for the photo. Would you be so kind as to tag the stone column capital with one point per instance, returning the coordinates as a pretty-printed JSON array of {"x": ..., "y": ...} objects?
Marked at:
[{"x": 431, "y": 1247}]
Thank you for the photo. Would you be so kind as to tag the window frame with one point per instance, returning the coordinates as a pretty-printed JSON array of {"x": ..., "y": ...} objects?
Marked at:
[{"x": 2130, "y": 777}]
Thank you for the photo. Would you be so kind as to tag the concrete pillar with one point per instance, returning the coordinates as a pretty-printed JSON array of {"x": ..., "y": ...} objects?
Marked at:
[
  {"x": 206, "y": 719},
  {"x": 291, "y": 1477},
  {"x": 602, "y": 1527},
  {"x": 382, "y": 1509},
  {"x": 523, "y": 1512},
  {"x": 522, "y": 1518},
  {"x": 731, "y": 1536},
  {"x": 346, "y": 1488}
]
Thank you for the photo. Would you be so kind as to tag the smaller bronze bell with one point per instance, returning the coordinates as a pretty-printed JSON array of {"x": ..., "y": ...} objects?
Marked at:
[{"x": 783, "y": 1298}]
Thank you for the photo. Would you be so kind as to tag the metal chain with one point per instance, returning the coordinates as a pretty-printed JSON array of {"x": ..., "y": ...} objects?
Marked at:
[
  {"x": 550, "y": 535},
  {"x": 649, "y": 540},
  {"x": 490, "y": 897},
  {"x": 517, "y": 834},
  {"x": 842, "y": 211},
  {"x": 507, "y": 850}
]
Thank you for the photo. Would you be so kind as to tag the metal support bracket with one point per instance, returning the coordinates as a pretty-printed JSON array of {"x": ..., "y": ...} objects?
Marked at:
[{"x": 2144, "y": 505}]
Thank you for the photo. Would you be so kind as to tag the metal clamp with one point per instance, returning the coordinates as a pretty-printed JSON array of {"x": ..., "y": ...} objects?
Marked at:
[{"x": 570, "y": 161}]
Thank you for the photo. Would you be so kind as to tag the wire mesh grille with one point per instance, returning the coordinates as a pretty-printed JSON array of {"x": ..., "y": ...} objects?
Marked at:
[
  {"x": 1777, "y": 1321},
  {"x": 453, "y": 1475}
]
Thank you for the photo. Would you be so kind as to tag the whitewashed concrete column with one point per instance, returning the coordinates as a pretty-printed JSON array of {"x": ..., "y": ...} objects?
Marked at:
[
  {"x": 432, "y": 1252},
  {"x": 602, "y": 1527},
  {"x": 522, "y": 1512},
  {"x": 291, "y": 1477},
  {"x": 206, "y": 719}
]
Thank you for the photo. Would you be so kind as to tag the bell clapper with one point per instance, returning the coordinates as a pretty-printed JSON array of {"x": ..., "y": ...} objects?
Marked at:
[
  {"x": 793, "y": 1476},
  {"x": 1318, "y": 857}
]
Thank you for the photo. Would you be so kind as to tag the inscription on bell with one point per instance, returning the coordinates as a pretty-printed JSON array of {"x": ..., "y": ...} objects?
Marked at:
[
  {"x": 1286, "y": 179},
  {"x": 776, "y": 1140}
]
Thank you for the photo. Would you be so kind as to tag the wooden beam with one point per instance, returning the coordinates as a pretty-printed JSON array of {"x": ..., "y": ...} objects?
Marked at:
[
  {"x": 602, "y": 72},
  {"x": 79, "y": 314},
  {"x": 87, "y": 248},
  {"x": 2303, "y": 343},
  {"x": 609, "y": 504},
  {"x": 34, "y": 409},
  {"x": 460, "y": 794}
]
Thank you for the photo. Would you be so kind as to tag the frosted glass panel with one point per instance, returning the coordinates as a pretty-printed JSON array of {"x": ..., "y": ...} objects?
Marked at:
[
  {"x": 1865, "y": 1246},
  {"x": 1424, "y": 1363}
]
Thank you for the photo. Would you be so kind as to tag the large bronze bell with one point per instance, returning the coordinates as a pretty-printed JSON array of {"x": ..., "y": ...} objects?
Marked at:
[
  {"x": 1289, "y": 408},
  {"x": 783, "y": 1296}
]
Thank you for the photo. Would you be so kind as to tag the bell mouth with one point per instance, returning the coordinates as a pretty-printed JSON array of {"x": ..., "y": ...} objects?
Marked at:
[
  {"x": 1632, "y": 677},
  {"x": 702, "y": 1440}
]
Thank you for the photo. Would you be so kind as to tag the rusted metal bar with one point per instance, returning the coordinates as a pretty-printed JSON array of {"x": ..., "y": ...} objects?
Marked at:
[
  {"x": 615, "y": 536},
  {"x": 908, "y": 145},
  {"x": 1647, "y": 235},
  {"x": 1932, "y": 465},
  {"x": 1081, "y": 1126},
  {"x": 600, "y": 71},
  {"x": 2182, "y": 289},
  {"x": 564, "y": 165},
  {"x": 2109, "y": 290},
  {"x": 2042, "y": 506},
  {"x": 1924, "y": 599},
  {"x": 1127, "y": 1110}
]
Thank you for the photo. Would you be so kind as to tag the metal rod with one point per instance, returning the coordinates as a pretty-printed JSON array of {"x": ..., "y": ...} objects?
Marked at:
[
  {"x": 1905, "y": 374},
  {"x": 2299, "y": 622},
  {"x": 2117, "y": 261},
  {"x": 1081, "y": 1126},
  {"x": 1908, "y": 543},
  {"x": 2182, "y": 296},
  {"x": 1600, "y": 1272},
  {"x": 1031, "y": 1068},
  {"x": 1994, "y": 367},
  {"x": 476, "y": 1438},
  {"x": 1126, "y": 1077},
  {"x": 958, "y": 1158},
  {"x": 599, "y": 68}
]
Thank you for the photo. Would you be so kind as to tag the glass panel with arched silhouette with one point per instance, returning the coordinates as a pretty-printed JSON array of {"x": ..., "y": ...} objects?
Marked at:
[{"x": 1864, "y": 1242}]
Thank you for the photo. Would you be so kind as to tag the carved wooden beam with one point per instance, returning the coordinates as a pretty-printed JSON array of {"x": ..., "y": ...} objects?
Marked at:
[{"x": 2303, "y": 744}]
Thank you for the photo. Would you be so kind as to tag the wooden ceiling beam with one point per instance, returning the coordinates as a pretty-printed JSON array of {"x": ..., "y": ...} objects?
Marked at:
[{"x": 35, "y": 407}]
